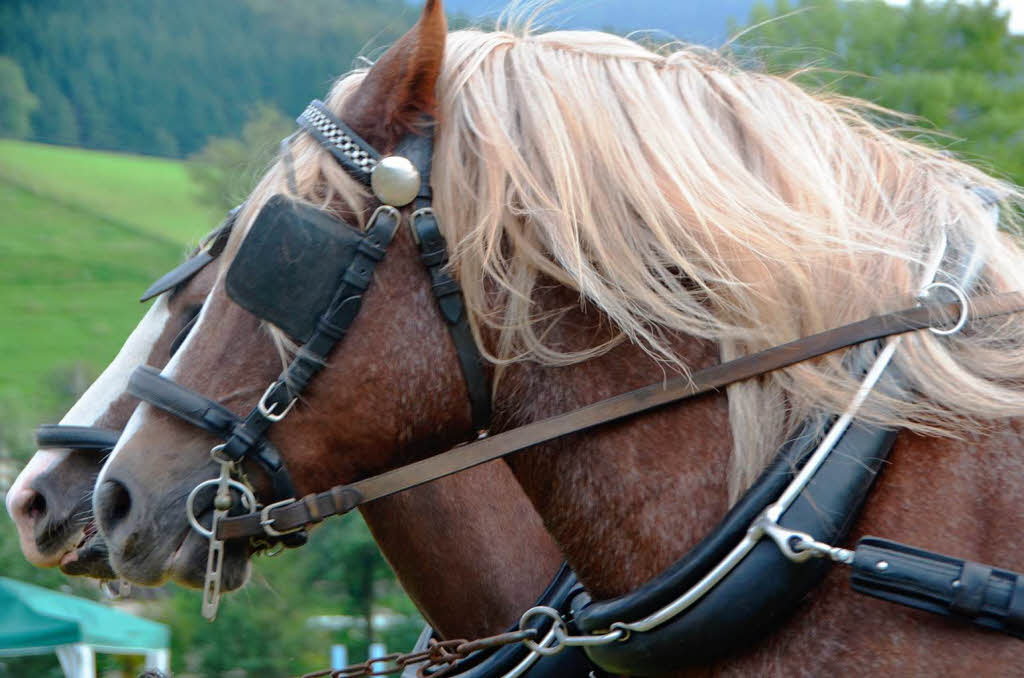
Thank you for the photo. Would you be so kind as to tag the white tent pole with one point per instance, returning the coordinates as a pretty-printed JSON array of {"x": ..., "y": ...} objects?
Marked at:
[
  {"x": 159, "y": 660},
  {"x": 77, "y": 661}
]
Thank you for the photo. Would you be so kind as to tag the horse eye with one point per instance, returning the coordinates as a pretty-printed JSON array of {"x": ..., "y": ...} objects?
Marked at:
[{"x": 192, "y": 313}]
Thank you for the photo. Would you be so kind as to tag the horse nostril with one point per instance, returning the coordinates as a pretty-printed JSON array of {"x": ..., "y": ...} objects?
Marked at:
[
  {"x": 35, "y": 507},
  {"x": 113, "y": 504}
]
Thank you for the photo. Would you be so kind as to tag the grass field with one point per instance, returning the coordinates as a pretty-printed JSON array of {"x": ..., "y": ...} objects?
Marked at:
[
  {"x": 152, "y": 195},
  {"x": 83, "y": 233}
]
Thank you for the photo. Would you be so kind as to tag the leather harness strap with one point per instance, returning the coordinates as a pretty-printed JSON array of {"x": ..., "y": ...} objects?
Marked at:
[
  {"x": 980, "y": 594},
  {"x": 63, "y": 436},
  {"x": 434, "y": 255},
  {"x": 294, "y": 515}
]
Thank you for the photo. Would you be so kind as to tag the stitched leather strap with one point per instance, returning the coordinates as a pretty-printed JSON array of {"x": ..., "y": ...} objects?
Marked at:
[
  {"x": 640, "y": 400},
  {"x": 434, "y": 255},
  {"x": 146, "y": 383}
]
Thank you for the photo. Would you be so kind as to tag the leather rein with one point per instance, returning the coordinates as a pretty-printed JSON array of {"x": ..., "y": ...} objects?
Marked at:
[{"x": 340, "y": 499}]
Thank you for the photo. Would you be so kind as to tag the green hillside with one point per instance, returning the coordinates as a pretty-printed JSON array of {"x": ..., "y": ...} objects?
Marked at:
[{"x": 83, "y": 234}]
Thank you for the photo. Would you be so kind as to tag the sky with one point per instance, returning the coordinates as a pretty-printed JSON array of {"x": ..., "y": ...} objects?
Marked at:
[{"x": 1015, "y": 7}]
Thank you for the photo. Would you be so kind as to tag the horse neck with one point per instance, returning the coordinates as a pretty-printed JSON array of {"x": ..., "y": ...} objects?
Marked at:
[
  {"x": 469, "y": 549},
  {"x": 628, "y": 499}
]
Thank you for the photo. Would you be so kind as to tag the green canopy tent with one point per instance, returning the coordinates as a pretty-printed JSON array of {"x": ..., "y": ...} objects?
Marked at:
[{"x": 35, "y": 620}]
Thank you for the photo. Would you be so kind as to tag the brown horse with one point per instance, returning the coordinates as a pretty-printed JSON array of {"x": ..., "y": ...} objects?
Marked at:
[
  {"x": 618, "y": 213},
  {"x": 51, "y": 503}
]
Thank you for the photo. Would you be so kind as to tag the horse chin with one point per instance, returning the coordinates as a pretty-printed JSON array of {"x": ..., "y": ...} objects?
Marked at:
[
  {"x": 188, "y": 564},
  {"x": 89, "y": 558}
]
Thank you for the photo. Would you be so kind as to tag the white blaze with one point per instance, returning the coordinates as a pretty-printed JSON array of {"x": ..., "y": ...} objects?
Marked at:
[
  {"x": 104, "y": 391},
  {"x": 169, "y": 371}
]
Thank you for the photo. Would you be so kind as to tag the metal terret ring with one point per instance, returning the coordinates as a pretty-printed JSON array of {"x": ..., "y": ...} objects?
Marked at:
[{"x": 961, "y": 299}]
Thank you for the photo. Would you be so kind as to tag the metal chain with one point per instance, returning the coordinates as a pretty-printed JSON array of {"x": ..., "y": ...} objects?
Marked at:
[{"x": 443, "y": 653}]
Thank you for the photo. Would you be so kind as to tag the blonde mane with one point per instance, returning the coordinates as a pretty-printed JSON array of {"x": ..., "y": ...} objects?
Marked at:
[{"x": 680, "y": 194}]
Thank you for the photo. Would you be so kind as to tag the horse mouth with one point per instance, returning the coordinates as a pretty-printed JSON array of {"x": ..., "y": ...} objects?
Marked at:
[
  {"x": 89, "y": 556},
  {"x": 188, "y": 562}
]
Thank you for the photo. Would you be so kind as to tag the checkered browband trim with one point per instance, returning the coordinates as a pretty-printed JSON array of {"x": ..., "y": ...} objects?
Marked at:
[{"x": 354, "y": 154}]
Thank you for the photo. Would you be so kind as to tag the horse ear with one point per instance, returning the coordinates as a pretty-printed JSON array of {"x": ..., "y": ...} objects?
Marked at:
[{"x": 399, "y": 90}]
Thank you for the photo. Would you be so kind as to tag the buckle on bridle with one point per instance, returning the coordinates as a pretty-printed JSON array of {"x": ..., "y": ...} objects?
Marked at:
[
  {"x": 266, "y": 521},
  {"x": 268, "y": 412},
  {"x": 414, "y": 217}
]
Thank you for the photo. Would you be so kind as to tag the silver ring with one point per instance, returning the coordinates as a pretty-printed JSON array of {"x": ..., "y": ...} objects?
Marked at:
[
  {"x": 248, "y": 501},
  {"x": 961, "y": 299},
  {"x": 545, "y": 648}
]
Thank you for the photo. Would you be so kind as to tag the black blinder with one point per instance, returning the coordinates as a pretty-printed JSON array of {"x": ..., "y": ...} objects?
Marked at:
[
  {"x": 290, "y": 264},
  {"x": 209, "y": 250}
]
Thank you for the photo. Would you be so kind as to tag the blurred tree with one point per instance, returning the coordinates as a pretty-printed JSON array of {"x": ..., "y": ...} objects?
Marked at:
[
  {"x": 162, "y": 76},
  {"x": 226, "y": 169},
  {"x": 16, "y": 101},
  {"x": 956, "y": 65}
]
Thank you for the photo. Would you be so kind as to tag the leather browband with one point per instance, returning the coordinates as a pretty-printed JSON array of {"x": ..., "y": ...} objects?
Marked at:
[
  {"x": 634, "y": 402},
  {"x": 60, "y": 436}
]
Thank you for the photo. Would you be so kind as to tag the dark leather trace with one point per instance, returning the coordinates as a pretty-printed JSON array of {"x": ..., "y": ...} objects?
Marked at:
[
  {"x": 980, "y": 594},
  {"x": 289, "y": 265}
]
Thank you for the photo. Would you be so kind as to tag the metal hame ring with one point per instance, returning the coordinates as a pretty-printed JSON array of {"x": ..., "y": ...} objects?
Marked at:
[{"x": 548, "y": 645}]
